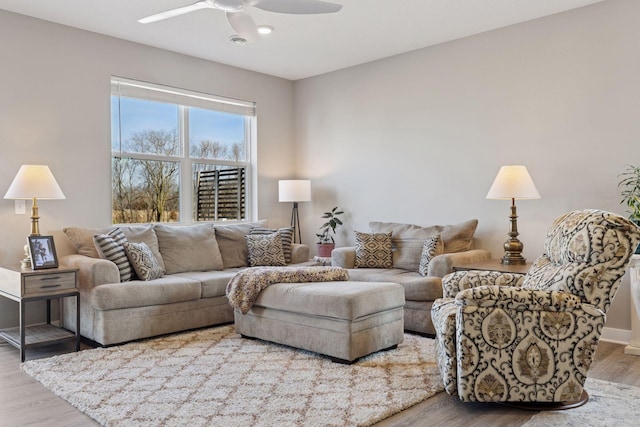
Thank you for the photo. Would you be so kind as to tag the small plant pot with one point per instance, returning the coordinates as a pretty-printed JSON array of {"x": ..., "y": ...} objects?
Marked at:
[{"x": 324, "y": 249}]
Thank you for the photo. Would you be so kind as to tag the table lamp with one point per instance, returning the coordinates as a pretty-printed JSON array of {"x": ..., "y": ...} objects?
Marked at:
[
  {"x": 295, "y": 190},
  {"x": 513, "y": 182}
]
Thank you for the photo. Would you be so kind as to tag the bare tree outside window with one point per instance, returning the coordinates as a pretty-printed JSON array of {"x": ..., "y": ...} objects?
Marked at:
[{"x": 148, "y": 156}]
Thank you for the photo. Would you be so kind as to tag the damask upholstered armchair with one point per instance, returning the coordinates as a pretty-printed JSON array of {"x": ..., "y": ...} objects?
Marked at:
[{"x": 531, "y": 338}]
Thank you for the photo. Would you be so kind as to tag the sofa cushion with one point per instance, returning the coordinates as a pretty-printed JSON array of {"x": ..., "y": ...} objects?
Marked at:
[
  {"x": 373, "y": 250},
  {"x": 188, "y": 248},
  {"x": 82, "y": 239},
  {"x": 143, "y": 234},
  {"x": 143, "y": 261},
  {"x": 286, "y": 234},
  {"x": 213, "y": 283},
  {"x": 432, "y": 247},
  {"x": 416, "y": 287},
  {"x": 111, "y": 246},
  {"x": 232, "y": 244},
  {"x": 136, "y": 293},
  {"x": 407, "y": 239},
  {"x": 265, "y": 250}
]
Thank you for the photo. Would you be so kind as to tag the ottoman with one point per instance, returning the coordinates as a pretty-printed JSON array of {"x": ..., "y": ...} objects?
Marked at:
[{"x": 343, "y": 320}]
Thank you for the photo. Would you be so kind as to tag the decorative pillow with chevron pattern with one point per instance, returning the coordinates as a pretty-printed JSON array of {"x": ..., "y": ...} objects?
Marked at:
[
  {"x": 265, "y": 250},
  {"x": 373, "y": 250},
  {"x": 143, "y": 261}
]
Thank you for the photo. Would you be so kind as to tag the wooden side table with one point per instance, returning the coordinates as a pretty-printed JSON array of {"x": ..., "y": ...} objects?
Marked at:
[
  {"x": 27, "y": 285},
  {"x": 494, "y": 265}
]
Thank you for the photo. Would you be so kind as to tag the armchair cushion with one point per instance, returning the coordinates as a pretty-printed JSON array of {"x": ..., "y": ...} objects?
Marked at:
[{"x": 460, "y": 280}]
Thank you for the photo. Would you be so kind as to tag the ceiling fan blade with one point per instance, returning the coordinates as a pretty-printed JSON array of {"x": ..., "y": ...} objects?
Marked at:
[
  {"x": 243, "y": 24},
  {"x": 302, "y": 7},
  {"x": 176, "y": 12}
]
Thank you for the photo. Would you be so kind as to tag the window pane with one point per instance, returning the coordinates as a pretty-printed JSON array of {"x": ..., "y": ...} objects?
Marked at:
[
  {"x": 145, "y": 191},
  {"x": 219, "y": 192},
  {"x": 216, "y": 135},
  {"x": 144, "y": 127}
]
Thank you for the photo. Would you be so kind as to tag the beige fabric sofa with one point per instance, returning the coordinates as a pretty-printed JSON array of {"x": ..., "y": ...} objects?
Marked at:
[
  {"x": 407, "y": 241},
  {"x": 189, "y": 295}
]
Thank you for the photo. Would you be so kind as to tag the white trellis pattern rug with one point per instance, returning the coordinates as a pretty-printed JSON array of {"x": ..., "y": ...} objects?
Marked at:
[{"x": 215, "y": 377}]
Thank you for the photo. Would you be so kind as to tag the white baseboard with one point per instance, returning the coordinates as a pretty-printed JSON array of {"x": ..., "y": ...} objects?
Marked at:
[{"x": 618, "y": 336}]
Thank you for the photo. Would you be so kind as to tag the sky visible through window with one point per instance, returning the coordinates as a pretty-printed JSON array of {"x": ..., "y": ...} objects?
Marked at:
[{"x": 138, "y": 115}]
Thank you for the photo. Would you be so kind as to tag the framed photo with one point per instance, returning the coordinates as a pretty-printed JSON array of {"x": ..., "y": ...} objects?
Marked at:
[{"x": 43, "y": 252}]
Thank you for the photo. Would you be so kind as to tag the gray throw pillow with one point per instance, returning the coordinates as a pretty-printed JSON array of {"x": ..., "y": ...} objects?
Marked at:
[
  {"x": 265, "y": 250},
  {"x": 82, "y": 239},
  {"x": 232, "y": 244},
  {"x": 373, "y": 250},
  {"x": 143, "y": 261},
  {"x": 188, "y": 248}
]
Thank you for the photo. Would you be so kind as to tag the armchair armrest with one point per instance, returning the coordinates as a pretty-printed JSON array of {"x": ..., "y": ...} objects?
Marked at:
[
  {"x": 92, "y": 272},
  {"x": 344, "y": 257},
  {"x": 442, "y": 265},
  {"x": 519, "y": 299},
  {"x": 461, "y": 280},
  {"x": 299, "y": 253}
]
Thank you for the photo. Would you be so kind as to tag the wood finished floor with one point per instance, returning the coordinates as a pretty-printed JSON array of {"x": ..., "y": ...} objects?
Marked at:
[{"x": 25, "y": 402}]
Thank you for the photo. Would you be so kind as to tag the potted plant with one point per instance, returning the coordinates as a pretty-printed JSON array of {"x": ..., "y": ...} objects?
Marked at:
[
  {"x": 325, "y": 239},
  {"x": 629, "y": 186}
]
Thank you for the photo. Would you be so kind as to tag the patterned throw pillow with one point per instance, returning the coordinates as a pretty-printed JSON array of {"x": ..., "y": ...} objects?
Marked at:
[
  {"x": 286, "y": 234},
  {"x": 111, "y": 246},
  {"x": 265, "y": 250},
  {"x": 143, "y": 261},
  {"x": 430, "y": 248},
  {"x": 373, "y": 250}
]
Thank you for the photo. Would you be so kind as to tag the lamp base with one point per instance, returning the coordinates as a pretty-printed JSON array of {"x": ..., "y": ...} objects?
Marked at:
[{"x": 513, "y": 259}]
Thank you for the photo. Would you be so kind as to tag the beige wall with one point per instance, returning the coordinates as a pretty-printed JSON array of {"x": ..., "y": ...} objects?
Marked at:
[
  {"x": 419, "y": 137},
  {"x": 54, "y": 109}
]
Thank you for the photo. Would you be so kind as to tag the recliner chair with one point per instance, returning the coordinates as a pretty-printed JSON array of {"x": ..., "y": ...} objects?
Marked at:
[{"x": 531, "y": 338}]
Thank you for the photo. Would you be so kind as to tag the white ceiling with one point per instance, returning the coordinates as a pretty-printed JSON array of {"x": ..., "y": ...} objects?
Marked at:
[{"x": 302, "y": 45}]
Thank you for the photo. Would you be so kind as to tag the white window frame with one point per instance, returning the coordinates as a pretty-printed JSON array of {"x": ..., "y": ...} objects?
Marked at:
[{"x": 183, "y": 99}]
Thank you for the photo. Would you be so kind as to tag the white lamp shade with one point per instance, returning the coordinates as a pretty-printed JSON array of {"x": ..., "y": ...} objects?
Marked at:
[
  {"x": 513, "y": 182},
  {"x": 294, "y": 190},
  {"x": 34, "y": 181}
]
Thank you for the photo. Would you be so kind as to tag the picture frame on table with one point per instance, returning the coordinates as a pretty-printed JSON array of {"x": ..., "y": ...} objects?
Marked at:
[{"x": 43, "y": 252}]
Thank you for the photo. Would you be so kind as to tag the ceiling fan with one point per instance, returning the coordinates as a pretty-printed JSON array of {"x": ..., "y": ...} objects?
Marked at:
[{"x": 240, "y": 20}]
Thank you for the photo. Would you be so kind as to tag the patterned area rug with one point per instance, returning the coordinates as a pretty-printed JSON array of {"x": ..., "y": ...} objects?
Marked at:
[
  {"x": 609, "y": 405},
  {"x": 214, "y": 377}
]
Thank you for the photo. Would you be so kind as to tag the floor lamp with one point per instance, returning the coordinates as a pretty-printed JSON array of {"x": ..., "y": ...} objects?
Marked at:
[
  {"x": 511, "y": 183},
  {"x": 295, "y": 190}
]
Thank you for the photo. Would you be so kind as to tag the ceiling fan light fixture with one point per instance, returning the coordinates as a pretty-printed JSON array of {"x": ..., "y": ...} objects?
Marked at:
[
  {"x": 229, "y": 5},
  {"x": 265, "y": 29},
  {"x": 236, "y": 39}
]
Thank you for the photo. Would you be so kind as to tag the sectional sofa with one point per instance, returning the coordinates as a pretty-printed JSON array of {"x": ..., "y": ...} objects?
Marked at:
[{"x": 196, "y": 264}]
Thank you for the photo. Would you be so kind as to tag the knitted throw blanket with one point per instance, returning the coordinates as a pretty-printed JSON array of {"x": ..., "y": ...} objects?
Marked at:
[{"x": 245, "y": 287}]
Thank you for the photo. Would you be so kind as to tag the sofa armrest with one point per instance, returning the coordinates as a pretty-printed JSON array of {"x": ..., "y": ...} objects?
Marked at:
[
  {"x": 299, "y": 253},
  {"x": 344, "y": 257},
  {"x": 92, "y": 272},
  {"x": 442, "y": 265}
]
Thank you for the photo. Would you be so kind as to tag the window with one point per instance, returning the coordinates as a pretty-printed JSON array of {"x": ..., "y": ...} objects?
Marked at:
[{"x": 178, "y": 156}]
